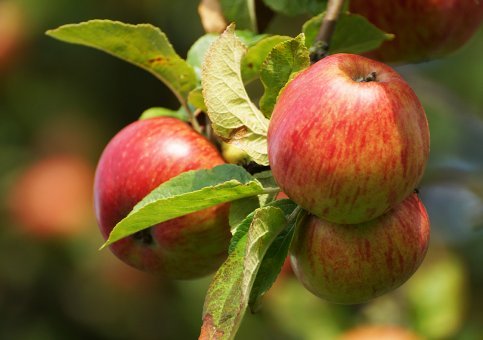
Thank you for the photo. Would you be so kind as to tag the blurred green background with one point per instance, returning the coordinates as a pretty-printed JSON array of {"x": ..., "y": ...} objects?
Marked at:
[{"x": 59, "y": 106}]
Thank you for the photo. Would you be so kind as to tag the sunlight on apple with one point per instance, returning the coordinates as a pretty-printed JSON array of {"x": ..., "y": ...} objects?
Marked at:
[{"x": 177, "y": 148}]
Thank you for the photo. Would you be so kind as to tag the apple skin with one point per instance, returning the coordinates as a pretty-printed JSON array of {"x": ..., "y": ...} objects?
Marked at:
[
  {"x": 381, "y": 332},
  {"x": 350, "y": 264},
  {"x": 347, "y": 150},
  {"x": 424, "y": 29},
  {"x": 138, "y": 159},
  {"x": 52, "y": 198}
]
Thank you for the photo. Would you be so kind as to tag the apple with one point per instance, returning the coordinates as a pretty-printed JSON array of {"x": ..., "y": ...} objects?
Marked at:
[
  {"x": 52, "y": 198},
  {"x": 233, "y": 154},
  {"x": 424, "y": 29},
  {"x": 350, "y": 264},
  {"x": 348, "y": 139},
  {"x": 138, "y": 159},
  {"x": 381, "y": 332}
]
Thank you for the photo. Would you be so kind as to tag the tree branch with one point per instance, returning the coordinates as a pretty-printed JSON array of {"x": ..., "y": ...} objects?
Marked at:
[{"x": 321, "y": 45}]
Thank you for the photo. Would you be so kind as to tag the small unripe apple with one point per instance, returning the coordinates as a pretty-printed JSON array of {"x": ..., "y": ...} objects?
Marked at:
[
  {"x": 348, "y": 139},
  {"x": 350, "y": 264},
  {"x": 424, "y": 29},
  {"x": 233, "y": 154},
  {"x": 137, "y": 160}
]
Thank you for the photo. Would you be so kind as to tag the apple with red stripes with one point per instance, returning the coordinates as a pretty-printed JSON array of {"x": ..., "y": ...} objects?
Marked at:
[
  {"x": 350, "y": 264},
  {"x": 348, "y": 139},
  {"x": 423, "y": 29},
  {"x": 139, "y": 158}
]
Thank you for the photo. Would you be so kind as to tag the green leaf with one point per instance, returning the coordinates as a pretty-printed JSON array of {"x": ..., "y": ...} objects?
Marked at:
[
  {"x": 241, "y": 231},
  {"x": 353, "y": 34},
  {"x": 195, "y": 98},
  {"x": 142, "y": 45},
  {"x": 253, "y": 144},
  {"x": 196, "y": 53},
  {"x": 286, "y": 205},
  {"x": 164, "y": 112},
  {"x": 256, "y": 55},
  {"x": 235, "y": 119},
  {"x": 229, "y": 292},
  {"x": 269, "y": 184},
  {"x": 242, "y": 12},
  {"x": 296, "y": 7},
  {"x": 240, "y": 209},
  {"x": 275, "y": 257},
  {"x": 283, "y": 62},
  {"x": 250, "y": 38},
  {"x": 186, "y": 193}
]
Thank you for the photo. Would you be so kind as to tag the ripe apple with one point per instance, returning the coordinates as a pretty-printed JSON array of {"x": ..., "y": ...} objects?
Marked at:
[
  {"x": 354, "y": 263},
  {"x": 348, "y": 139},
  {"x": 380, "y": 332},
  {"x": 52, "y": 198},
  {"x": 137, "y": 160},
  {"x": 424, "y": 29}
]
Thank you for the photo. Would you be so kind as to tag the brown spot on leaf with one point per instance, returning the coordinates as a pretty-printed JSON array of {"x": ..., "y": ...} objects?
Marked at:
[
  {"x": 157, "y": 60},
  {"x": 239, "y": 133}
]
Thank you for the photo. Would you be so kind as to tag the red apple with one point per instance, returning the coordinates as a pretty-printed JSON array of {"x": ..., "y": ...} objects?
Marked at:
[
  {"x": 348, "y": 139},
  {"x": 379, "y": 332},
  {"x": 137, "y": 160},
  {"x": 354, "y": 263},
  {"x": 52, "y": 198},
  {"x": 424, "y": 29}
]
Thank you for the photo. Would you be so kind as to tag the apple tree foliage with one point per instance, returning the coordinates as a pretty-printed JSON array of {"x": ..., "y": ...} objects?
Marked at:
[{"x": 212, "y": 80}]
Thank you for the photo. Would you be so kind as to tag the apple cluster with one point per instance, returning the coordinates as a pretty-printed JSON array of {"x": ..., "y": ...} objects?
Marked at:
[
  {"x": 138, "y": 159},
  {"x": 348, "y": 141}
]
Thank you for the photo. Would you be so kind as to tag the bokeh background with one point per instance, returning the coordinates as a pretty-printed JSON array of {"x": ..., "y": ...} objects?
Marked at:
[{"x": 59, "y": 106}]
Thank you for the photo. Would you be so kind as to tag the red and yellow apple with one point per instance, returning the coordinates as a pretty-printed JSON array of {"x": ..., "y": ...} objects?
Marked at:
[
  {"x": 137, "y": 160},
  {"x": 52, "y": 198},
  {"x": 350, "y": 264},
  {"x": 348, "y": 139},
  {"x": 424, "y": 29}
]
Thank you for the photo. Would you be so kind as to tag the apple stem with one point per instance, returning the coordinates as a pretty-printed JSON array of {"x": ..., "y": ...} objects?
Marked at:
[
  {"x": 320, "y": 49},
  {"x": 370, "y": 77},
  {"x": 194, "y": 123},
  {"x": 271, "y": 190},
  {"x": 144, "y": 236}
]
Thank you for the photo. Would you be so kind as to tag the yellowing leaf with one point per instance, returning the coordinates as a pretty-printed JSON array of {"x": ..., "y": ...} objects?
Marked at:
[{"x": 234, "y": 117}]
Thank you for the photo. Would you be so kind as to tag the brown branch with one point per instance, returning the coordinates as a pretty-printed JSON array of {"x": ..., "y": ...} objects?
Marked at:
[{"x": 320, "y": 49}]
